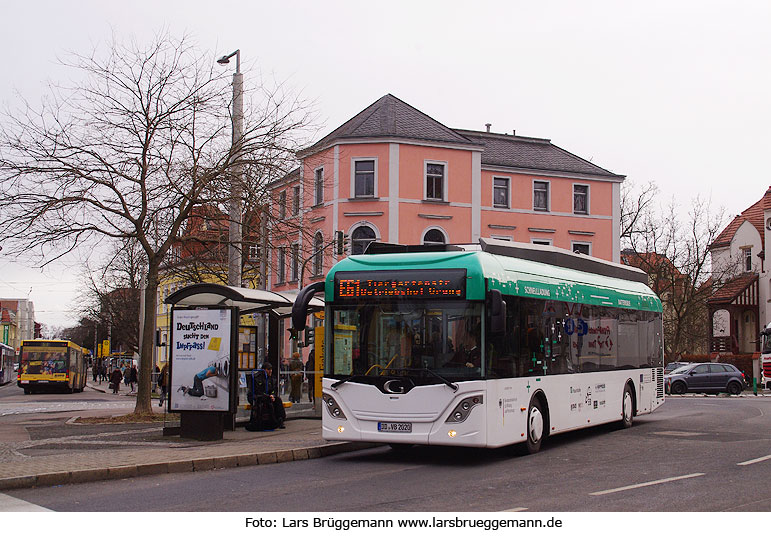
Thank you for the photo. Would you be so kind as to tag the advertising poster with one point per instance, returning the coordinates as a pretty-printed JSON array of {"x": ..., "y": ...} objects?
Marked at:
[{"x": 200, "y": 357}]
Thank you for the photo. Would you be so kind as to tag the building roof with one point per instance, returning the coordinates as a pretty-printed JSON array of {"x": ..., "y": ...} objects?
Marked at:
[
  {"x": 728, "y": 292},
  {"x": 390, "y": 117},
  {"x": 753, "y": 214},
  {"x": 529, "y": 153}
]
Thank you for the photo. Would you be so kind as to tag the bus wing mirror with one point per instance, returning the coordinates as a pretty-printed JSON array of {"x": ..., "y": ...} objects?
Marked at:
[
  {"x": 497, "y": 312},
  {"x": 300, "y": 306}
]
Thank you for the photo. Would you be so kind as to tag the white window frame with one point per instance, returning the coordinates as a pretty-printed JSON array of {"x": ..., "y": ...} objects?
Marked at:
[
  {"x": 296, "y": 202},
  {"x": 508, "y": 191},
  {"x": 574, "y": 242},
  {"x": 548, "y": 195},
  {"x": 253, "y": 252},
  {"x": 431, "y": 228},
  {"x": 318, "y": 194},
  {"x": 542, "y": 241},
  {"x": 502, "y": 237},
  {"x": 353, "y": 178},
  {"x": 588, "y": 199},
  {"x": 281, "y": 265},
  {"x": 444, "y": 164},
  {"x": 282, "y": 205},
  {"x": 294, "y": 262},
  {"x": 317, "y": 262},
  {"x": 746, "y": 259},
  {"x": 358, "y": 224}
]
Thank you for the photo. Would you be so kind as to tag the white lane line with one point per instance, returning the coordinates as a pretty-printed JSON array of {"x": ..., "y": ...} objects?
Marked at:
[
  {"x": 645, "y": 484},
  {"x": 12, "y": 504},
  {"x": 518, "y": 509},
  {"x": 756, "y": 460}
]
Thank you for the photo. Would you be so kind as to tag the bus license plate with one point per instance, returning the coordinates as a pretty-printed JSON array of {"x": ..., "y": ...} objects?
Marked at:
[{"x": 395, "y": 427}]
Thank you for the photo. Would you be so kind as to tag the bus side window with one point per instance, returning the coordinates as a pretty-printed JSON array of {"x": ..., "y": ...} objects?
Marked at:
[{"x": 503, "y": 350}]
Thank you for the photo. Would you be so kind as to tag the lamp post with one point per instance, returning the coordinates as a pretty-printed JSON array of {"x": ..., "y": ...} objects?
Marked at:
[{"x": 234, "y": 229}]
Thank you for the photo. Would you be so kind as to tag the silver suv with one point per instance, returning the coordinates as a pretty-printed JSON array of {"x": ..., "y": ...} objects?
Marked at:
[{"x": 705, "y": 377}]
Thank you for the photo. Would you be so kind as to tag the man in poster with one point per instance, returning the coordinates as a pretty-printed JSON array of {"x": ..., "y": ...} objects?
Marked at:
[{"x": 198, "y": 378}]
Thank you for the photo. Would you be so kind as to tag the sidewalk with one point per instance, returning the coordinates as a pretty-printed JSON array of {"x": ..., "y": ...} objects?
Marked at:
[{"x": 58, "y": 450}]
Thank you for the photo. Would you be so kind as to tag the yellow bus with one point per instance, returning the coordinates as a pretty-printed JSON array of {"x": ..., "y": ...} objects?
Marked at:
[{"x": 47, "y": 363}]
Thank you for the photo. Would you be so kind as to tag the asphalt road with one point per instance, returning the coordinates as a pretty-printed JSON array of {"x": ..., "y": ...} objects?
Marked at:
[{"x": 693, "y": 454}]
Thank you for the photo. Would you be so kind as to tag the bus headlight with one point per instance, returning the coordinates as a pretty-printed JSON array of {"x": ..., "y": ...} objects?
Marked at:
[
  {"x": 463, "y": 409},
  {"x": 332, "y": 407}
]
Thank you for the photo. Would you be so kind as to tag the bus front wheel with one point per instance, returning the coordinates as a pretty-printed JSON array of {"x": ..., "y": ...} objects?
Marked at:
[{"x": 536, "y": 425}]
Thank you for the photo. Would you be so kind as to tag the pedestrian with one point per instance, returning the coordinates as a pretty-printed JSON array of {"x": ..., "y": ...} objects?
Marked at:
[
  {"x": 95, "y": 370},
  {"x": 115, "y": 380},
  {"x": 267, "y": 387},
  {"x": 133, "y": 377},
  {"x": 295, "y": 378},
  {"x": 102, "y": 373},
  {"x": 156, "y": 374},
  {"x": 163, "y": 381}
]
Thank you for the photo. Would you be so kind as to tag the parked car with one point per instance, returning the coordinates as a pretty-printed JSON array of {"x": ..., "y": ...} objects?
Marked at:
[
  {"x": 673, "y": 366},
  {"x": 705, "y": 377}
]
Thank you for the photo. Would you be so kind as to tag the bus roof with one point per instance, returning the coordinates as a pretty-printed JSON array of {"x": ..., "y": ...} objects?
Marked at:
[
  {"x": 40, "y": 342},
  {"x": 521, "y": 270}
]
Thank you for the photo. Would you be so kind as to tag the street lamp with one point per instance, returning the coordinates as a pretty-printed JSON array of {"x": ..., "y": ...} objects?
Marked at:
[{"x": 234, "y": 230}]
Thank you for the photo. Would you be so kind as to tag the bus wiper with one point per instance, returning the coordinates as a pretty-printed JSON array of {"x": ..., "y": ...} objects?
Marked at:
[
  {"x": 445, "y": 381},
  {"x": 343, "y": 380}
]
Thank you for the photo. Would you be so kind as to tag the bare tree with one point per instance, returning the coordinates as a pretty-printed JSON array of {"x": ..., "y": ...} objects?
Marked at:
[
  {"x": 673, "y": 250},
  {"x": 127, "y": 154}
]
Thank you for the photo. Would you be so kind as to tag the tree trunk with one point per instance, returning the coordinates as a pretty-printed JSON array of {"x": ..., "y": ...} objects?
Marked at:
[{"x": 144, "y": 398}]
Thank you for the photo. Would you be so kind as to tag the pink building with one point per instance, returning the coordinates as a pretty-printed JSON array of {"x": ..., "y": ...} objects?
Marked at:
[{"x": 393, "y": 174}]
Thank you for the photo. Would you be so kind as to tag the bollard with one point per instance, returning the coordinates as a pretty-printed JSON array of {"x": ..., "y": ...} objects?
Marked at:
[{"x": 755, "y": 385}]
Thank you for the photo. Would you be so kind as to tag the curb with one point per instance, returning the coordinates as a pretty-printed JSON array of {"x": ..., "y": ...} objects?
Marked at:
[{"x": 182, "y": 466}]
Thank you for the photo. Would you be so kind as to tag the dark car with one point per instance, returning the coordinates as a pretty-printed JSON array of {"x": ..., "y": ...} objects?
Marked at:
[
  {"x": 705, "y": 377},
  {"x": 673, "y": 366}
]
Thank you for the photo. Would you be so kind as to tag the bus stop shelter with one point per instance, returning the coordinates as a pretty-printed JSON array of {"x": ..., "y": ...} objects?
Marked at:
[{"x": 247, "y": 301}]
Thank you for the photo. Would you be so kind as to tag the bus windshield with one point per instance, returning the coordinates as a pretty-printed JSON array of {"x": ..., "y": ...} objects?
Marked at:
[{"x": 429, "y": 340}]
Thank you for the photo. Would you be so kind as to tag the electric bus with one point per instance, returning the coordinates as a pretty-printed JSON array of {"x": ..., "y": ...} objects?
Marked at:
[
  {"x": 48, "y": 364},
  {"x": 484, "y": 345}
]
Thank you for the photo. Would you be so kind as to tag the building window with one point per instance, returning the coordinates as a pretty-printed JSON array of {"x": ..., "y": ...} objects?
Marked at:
[
  {"x": 580, "y": 199},
  {"x": 501, "y": 192},
  {"x": 361, "y": 237},
  {"x": 281, "y": 270},
  {"x": 541, "y": 241},
  {"x": 433, "y": 237},
  {"x": 318, "y": 186},
  {"x": 747, "y": 259},
  {"x": 581, "y": 247},
  {"x": 295, "y": 262},
  {"x": 435, "y": 182},
  {"x": 282, "y": 205},
  {"x": 318, "y": 254},
  {"x": 541, "y": 196},
  {"x": 295, "y": 200},
  {"x": 253, "y": 253},
  {"x": 364, "y": 178}
]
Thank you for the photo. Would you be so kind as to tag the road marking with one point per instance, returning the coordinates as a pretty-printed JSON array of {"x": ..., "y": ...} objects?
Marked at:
[
  {"x": 518, "y": 509},
  {"x": 678, "y": 433},
  {"x": 645, "y": 484},
  {"x": 12, "y": 504},
  {"x": 756, "y": 460}
]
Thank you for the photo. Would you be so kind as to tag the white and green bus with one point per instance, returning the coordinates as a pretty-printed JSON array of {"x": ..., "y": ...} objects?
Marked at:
[{"x": 485, "y": 345}]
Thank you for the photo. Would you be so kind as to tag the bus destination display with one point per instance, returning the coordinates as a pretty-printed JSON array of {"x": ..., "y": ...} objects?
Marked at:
[{"x": 419, "y": 284}]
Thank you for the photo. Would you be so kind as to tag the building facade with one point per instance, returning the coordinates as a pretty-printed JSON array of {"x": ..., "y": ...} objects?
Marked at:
[
  {"x": 738, "y": 308},
  {"x": 18, "y": 321},
  {"x": 393, "y": 174}
]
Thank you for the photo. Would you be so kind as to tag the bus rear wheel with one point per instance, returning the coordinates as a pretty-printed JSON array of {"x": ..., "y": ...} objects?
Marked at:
[
  {"x": 536, "y": 425},
  {"x": 627, "y": 407}
]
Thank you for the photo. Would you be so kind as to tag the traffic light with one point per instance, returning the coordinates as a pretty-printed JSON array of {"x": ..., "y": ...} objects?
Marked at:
[
  {"x": 310, "y": 335},
  {"x": 341, "y": 242}
]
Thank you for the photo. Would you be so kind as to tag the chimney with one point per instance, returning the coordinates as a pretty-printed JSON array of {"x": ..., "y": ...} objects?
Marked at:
[{"x": 488, "y": 126}]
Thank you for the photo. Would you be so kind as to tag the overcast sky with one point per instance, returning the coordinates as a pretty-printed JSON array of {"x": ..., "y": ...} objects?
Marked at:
[{"x": 675, "y": 92}]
